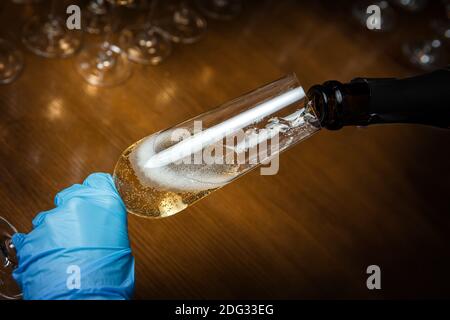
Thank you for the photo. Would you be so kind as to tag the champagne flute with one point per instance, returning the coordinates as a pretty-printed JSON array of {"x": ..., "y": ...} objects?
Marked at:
[
  {"x": 49, "y": 37},
  {"x": 146, "y": 44},
  {"x": 431, "y": 53},
  {"x": 183, "y": 24},
  {"x": 220, "y": 9},
  {"x": 11, "y": 62},
  {"x": 105, "y": 63},
  {"x": 8, "y": 262}
]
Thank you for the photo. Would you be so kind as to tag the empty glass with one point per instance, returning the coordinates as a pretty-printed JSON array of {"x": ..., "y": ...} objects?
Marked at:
[
  {"x": 8, "y": 262},
  {"x": 11, "y": 62},
  {"x": 183, "y": 23},
  {"x": 387, "y": 17},
  {"x": 105, "y": 63},
  {"x": 220, "y": 9},
  {"x": 95, "y": 19},
  {"x": 49, "y": 36},
  {"x": 411, "y": 5},
  {"x": 146, "y": 44}
]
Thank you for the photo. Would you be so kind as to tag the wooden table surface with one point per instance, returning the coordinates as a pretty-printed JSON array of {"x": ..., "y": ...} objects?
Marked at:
[{"x": 342, "y": 200}]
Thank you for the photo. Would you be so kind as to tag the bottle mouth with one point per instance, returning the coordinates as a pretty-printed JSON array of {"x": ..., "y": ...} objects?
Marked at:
[{"x": 319, "y": 102}]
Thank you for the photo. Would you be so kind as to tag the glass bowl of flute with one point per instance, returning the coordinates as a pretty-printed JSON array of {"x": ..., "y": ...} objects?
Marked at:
[{"x": 165, "y": 172}]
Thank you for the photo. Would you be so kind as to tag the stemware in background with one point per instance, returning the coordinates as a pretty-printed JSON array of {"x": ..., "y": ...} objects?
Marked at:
[
  {"x": 11, "y": 60},
  {"x": 8, "y": 262},
  {"x": 220, "y": 9},
  {"x": 95, "y": 19},
  {"x": 49, "y": 36},
  {"x": 387, "y": 14},
  {"x": 411, "y": 5},
  {"x": 431, "y": 53},
  {"x": 182, "y": 23},
  {"x": 146, "y": 44},
  {"x": 24, "y": 1},
  {"x": 136, "y": 4},
  {"x": 447, "y": 8},
  {"x": 105, "y": 63}
]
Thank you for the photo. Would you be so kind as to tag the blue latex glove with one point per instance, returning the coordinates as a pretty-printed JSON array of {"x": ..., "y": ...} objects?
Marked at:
[{"x": 80, "y": 249}]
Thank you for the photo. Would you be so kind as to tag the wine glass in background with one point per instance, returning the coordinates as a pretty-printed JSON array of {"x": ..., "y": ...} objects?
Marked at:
[
  {"x": 8, "y": 262},
  {"x": 49, "y": 36},
  {"x": 95, "y": 19},
  {"x": 387, "y": 17},
  {"x": 24, "y": 1},
  {"x": 220, "y": 9},
  {"x": 146, "y": 44},
  {"x": 447, "y": 8},
  {"x": 182, "y": 23},
  {"x": 136, "y": 4},
  {"x": 11, "y": 60},
  {"x": 431, "y": 53},
  {"x": 105, "y": 63},
  {"x": 411, "y": 5}
]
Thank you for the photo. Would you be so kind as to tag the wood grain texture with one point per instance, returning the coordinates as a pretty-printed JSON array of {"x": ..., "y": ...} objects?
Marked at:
[{"x": 341, "y": 201}]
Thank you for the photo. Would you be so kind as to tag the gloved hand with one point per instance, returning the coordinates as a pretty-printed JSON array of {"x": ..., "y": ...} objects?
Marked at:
[{"x": 80, "y": 249}]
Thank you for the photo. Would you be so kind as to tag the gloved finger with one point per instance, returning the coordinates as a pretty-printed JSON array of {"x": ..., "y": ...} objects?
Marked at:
[
  {"x": 18, "y": 240},
  {"x": 100, "y": 180},
  {"x": 62, "y": 195},
  {"x": 41, "y": 216}
]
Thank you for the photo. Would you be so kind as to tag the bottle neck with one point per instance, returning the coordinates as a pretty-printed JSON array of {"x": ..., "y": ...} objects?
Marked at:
[
  {"x": 339, "y": 104},
  {"x": 423, "y": 99}
]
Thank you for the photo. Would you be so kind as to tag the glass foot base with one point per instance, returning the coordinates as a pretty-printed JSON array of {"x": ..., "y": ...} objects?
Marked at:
[
  {"x": 220, "y": 9},
  {"x": 425, "y": 55},
  {"x": 51, "y": 38},
  {"x": 95, "y": 23},
  {"x": 184, "y": 26},
  {"x": 8, "y": 262},
  {"x": 11, "y": 62},
  {"x": 146, "y": 46},
  {"x": 103, "y": 65}
]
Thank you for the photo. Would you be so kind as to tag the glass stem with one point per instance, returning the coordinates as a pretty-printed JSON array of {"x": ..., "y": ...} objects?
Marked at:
[
  {"x": 113, "y": 24},
  {"x": 150, "y": 14},
  {"x": 53, "y": 10}
]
